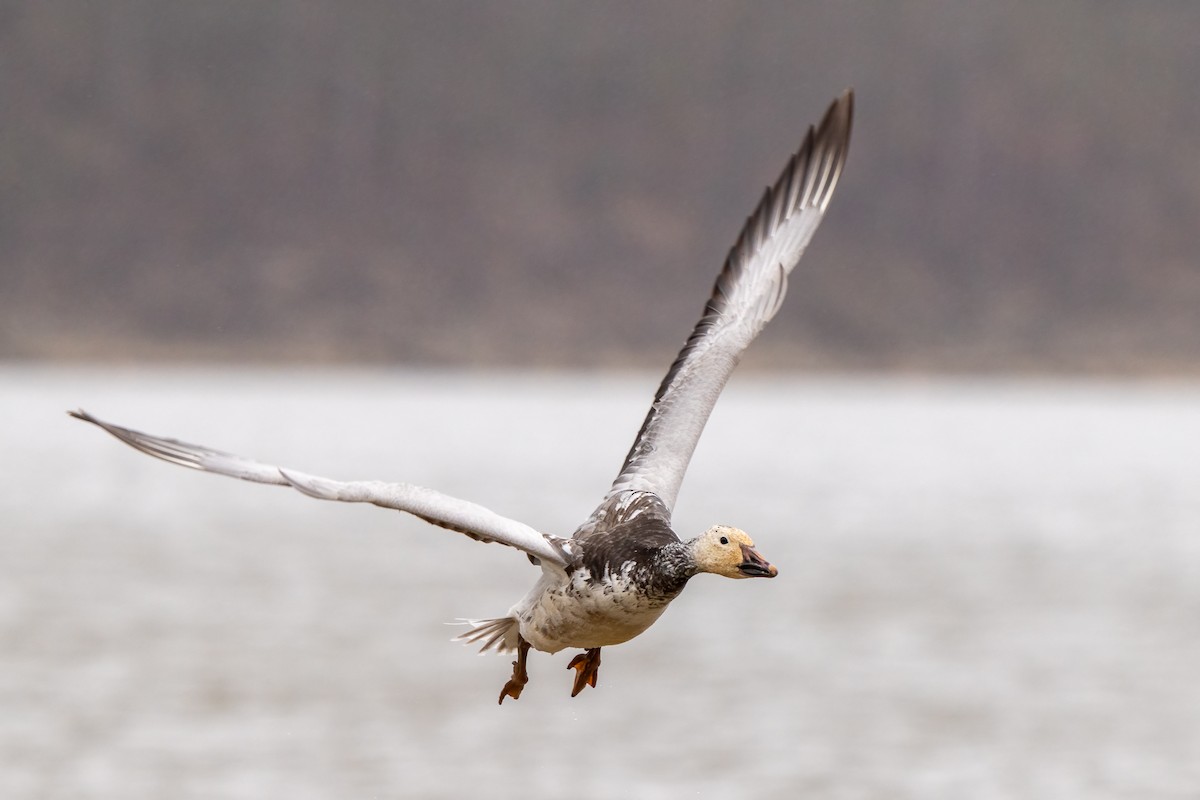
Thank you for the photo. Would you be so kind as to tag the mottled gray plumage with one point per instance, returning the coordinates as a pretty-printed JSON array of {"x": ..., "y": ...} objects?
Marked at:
[{"x": 616, "y": 574}]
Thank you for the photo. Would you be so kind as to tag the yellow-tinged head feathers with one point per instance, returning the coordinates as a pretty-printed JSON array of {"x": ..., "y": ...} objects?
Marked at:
[{"x": 728, "y": 551}]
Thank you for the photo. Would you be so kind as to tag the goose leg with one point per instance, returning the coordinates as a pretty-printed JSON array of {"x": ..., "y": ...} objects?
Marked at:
[
  {"x": 519, "y": 677},
  {"x": 587, "y": 667}
]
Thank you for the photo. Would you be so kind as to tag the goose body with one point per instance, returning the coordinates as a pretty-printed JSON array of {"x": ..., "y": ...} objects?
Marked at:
[{"x": 616, "y": 574}]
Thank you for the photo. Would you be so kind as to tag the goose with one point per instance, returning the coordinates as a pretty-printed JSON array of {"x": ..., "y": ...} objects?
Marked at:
[{"x": 616, "y": 574}]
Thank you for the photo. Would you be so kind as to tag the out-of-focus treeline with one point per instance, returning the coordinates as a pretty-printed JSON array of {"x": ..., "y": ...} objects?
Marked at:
[{"x": 557, "y": 183}]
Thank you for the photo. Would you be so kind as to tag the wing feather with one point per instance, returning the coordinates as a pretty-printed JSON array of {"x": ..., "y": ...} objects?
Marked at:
[
  {"x": 432, "y": 506},
  {"x": 747, "y": 294}
]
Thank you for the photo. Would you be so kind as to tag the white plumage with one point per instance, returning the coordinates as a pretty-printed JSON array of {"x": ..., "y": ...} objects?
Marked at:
[{"x": 620, "y": 569}]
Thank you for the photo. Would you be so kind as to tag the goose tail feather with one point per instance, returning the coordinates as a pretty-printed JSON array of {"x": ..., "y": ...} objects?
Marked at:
[{"x": 491, "y": 634}]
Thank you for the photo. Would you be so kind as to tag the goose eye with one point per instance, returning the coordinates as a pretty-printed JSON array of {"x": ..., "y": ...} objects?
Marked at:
[{"x": 724, "y": 540}]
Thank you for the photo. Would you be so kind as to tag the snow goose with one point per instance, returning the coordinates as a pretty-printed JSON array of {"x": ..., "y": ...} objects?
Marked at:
[{"x": 616, "y": 574}]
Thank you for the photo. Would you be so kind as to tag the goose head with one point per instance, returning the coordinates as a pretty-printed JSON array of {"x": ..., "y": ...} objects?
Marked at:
[{"x": 728, "y": 551}]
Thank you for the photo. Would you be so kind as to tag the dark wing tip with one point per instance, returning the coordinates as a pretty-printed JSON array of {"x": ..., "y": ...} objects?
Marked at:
[
  {"x": 807, "y": 181},
  {"x": 830, "y": 145},
  {"x": 172, "y": 450},
  {"x": 79, "y": 413},
  {"x": 813, "y": 173}
]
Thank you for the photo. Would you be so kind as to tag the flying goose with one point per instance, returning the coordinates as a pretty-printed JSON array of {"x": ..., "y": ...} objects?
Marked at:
[{"x": 614, "y": 576}]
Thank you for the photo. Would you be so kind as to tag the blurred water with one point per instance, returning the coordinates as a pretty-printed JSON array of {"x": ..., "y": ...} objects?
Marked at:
[{"x": 988, "y": 589}]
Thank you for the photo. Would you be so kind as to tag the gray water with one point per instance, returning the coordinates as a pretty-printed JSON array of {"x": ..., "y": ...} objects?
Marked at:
[{"x": 988, "y": 589}]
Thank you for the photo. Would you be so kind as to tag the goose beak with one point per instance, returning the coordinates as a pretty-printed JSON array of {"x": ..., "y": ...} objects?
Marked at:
[{"x": 755, "y": 566}]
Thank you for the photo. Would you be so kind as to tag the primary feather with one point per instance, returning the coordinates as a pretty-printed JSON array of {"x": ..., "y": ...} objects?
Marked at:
[
  {"x": 747, "y": 294},
  {"x": 432, "y": 506}
]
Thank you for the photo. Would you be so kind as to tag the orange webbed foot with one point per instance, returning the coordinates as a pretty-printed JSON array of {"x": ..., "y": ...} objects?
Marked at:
[
  {"x": 587, "y": 668},
  {"x": 520, "y": 676}
]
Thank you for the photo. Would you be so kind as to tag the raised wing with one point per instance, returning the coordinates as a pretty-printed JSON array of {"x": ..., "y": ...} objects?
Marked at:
[
  {"x": 746, "y": 296},
  {"x": 442, "y": 510}
]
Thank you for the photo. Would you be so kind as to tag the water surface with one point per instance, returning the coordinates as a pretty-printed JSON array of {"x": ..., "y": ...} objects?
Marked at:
[{"x": 988, "y": 589}]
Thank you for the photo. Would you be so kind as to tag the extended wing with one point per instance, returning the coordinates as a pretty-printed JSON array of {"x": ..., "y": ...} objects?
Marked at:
[
  {"x": 746, "y": 296},
  {"x": 448, "y": 512}
]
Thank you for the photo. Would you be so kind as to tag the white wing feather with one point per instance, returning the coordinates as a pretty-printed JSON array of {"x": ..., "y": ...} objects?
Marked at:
[
  {"x": 442, "y": 510},
  {"x": 747, "y": 294}
]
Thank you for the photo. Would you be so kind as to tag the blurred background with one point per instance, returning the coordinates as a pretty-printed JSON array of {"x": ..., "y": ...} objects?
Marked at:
[
  {"x": 556, "y": 184},
  {"x": 456, "y": 244}
]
